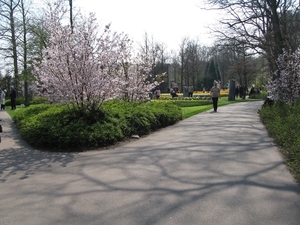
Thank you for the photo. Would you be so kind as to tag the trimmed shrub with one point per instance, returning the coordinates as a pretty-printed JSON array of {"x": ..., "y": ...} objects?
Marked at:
[{"x": 58, "y": 128}]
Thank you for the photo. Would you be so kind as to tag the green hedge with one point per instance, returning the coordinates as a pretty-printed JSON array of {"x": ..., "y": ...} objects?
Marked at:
[{"x": 58, "y": 128}]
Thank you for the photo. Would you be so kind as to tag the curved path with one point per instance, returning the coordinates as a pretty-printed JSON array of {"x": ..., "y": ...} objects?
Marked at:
[{"x": 213, "y": 168}]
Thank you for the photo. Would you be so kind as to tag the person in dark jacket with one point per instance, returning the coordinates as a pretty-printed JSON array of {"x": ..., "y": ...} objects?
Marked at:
[{"x": 13, "y": 96}]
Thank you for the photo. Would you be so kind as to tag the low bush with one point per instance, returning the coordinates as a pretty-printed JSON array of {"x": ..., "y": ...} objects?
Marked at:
[
  {"x": 25, "y": 114},
  {"x": 261, "y": 95},
  {"x": 38, "y": 100},
  {"x": 58, "y": 128},
  {"x": 282, "y": 122}
]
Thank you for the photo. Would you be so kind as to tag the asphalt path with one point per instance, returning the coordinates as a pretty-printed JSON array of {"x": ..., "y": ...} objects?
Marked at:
[{"x": 210, "y": 169}]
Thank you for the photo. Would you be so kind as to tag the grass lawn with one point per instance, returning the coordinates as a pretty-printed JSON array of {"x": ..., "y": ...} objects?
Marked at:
[
  {"x": 12, "y": 112},
  {"x": 191, "y": 111},
  {"x": 186, "y": 111}
]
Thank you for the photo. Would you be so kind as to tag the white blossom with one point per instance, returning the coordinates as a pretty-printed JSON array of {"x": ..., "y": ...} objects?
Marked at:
[
  {"x": 286, "y": 87},
  {"x": 84, "y": 68}
]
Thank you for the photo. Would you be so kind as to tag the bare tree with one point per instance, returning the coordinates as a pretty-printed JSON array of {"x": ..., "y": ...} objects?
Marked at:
[
  {"x": 223, "y": 55},
  {"x": 157, "y": 53},
  {"x": 192, "y": 58},
  {"x": 192, "y": 62},
  {"x": 242, "y": 68},
  {"x": 261, "y": 25},
  {"x": 150, "y": 48},
  {"x": 175, "y": 65},
  {"x": 24, "y": 40},
  {"x": 183, "y": 64},
  {"x": 8, "y": 33}
]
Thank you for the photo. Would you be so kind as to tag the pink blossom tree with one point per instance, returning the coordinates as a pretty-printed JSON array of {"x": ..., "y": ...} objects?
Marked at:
[
  {"x": 83, "y": 68},
  {"x": 137, "y": 78}
]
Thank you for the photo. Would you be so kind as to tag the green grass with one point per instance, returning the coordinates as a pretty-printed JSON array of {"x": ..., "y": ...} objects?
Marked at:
[
  {"x": 186, "y": 111},
  {"x": 191, "y": 111},
  {"x": 12, "y": 112}
]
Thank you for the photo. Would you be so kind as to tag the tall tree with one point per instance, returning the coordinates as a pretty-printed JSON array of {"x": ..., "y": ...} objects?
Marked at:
[
  {"x": 9, "y": 35},
  {"x": 71, "y": 14},
  {"x": 175, "y": 66},
  {"x": 212, "y": 73},
  {"x": 286, "y": 87},
  {"x": 156, "y": 53},
  {"x": 223, "y": 55},
  {"x": 260, "y": 25},
  {"x": 183, "y": 65},
  {"x": 25, "y": 73},
  {"x": 192, "y": 61}
]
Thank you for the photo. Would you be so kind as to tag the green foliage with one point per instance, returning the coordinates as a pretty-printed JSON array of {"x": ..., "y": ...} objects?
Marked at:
[
  {"x": 21, "y": 100},
  {"x": 282, "y": 122},
  {"x": 23, "y": 115},
  {"x": 58, "y": 128},
  {"x": 212, "y": 73},
  {"x": 191, "y": 111},
  {"x": 262, "y": 95},
  {"x": 38, "y": 100}
]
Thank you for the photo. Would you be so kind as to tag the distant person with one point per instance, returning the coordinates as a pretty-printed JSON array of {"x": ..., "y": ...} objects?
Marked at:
[
  {"x": 243, "y": 91},
  {"x": 2, "y": 99},
  {"x": 237, "y": 90},
  {"x": 269, "y": 101},
  {"x": 215, "y": 94},
  {"x": 0, "y": 131},
  {"x": 175, "y": 89},
  {"x": 252, "y": 91},
  {"x": 157, "y": 93},
  {"x": 13, "y": 96},
  {"x": 191, "y": 91},
  {"x": 173, "y": 93}
]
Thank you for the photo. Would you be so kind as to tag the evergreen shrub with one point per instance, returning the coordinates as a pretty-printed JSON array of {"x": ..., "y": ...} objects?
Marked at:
[{"x": 64, "y": 129}]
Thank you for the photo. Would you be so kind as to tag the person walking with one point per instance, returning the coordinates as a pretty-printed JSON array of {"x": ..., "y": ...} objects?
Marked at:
[
  {"x": 157, "y": 93},
  {"x": 2, "y": 99},
  {"x": 215, "y": 94},
  {"x": 13, "y": 96},
  {"x": 191, "y": 91}
]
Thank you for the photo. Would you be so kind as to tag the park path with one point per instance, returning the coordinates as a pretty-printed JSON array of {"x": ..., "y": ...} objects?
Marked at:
[{"x": 213, "y": 168}]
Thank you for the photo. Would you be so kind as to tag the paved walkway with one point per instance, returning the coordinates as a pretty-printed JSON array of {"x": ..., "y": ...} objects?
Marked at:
[{"x": 211, "y": 169}]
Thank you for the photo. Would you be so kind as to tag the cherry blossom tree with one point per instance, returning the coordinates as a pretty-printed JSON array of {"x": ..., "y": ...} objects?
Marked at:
[
  {"x": 83, "y": 68},
  {"x": 286, "y": 87}
]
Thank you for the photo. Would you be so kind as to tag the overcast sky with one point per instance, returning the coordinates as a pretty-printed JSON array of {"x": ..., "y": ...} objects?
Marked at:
[{"x": 167, "y": 21}]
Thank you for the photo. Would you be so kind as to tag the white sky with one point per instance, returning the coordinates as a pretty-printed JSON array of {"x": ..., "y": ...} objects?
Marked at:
[{"x": 167, "y": 21}]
